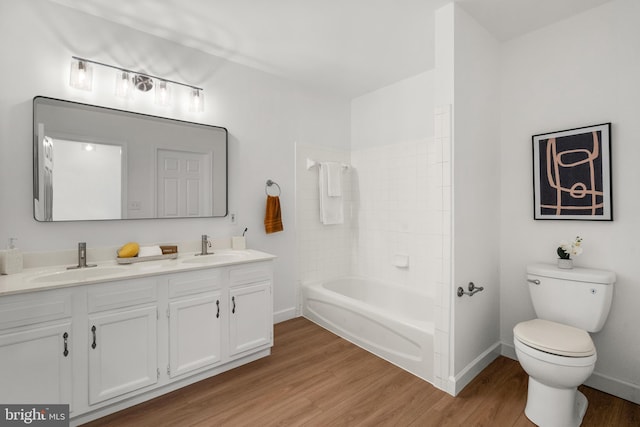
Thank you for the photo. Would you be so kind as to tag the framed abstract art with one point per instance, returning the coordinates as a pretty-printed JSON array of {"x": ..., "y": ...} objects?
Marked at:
[{"x": 572, "y": 174}]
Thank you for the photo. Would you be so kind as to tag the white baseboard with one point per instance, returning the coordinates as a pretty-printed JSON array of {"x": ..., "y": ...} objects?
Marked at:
[
  {"x": 622, "y": 389},
  {"x": 508, "y": 350},
  {"x": 464, "y": 377},
  {"x": 616, "y": 387},
  {"x": 282, "y": 315}
]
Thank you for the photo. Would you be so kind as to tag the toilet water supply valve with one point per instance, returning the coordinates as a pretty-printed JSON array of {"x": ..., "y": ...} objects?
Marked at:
[{"x": 473, "y": 289}]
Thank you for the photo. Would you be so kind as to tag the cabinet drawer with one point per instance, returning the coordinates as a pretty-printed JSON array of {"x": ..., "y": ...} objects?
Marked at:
[
  {"x": 246, "y": 275},
  {"x": 194, "y": 283},
  {"x": 27, "y": 309},
  {"x": 121, "y": 294}
]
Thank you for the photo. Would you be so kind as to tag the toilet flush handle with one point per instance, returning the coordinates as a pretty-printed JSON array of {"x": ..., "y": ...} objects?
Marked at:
[{"x": 534, "y": 281}]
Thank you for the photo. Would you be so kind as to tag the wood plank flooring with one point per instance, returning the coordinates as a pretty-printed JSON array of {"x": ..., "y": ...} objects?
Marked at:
[{"x": 314, "y": 378}]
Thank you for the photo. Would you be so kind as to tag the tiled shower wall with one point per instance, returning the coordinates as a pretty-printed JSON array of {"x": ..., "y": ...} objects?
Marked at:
[
  {"x": 397, "y": 204},
  {"x": 394, "y": 208}
]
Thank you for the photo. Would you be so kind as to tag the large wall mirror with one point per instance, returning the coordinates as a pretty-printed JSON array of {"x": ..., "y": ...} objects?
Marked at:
[{"x": 96, "y": 163}]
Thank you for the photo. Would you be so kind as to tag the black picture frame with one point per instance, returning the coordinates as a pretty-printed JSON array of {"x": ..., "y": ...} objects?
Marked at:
[{"x": 572, "y": 174}]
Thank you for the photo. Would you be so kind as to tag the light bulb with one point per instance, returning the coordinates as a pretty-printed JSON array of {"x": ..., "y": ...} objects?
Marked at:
[
  {"x": 81, "y": 75},
  {"x": 163, "y": 93},
  {"x": 196, "y": 103},
  {"x": 123, "y": 85}
]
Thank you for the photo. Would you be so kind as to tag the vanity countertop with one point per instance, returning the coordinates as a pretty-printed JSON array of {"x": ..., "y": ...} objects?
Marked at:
[{"x": 53, "y": 277}]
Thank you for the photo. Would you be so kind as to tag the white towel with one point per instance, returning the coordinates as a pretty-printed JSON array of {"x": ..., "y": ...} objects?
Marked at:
[
  {"x": 331, "y": 211},
  {"x": 334, "y": 179},
  {"x": 145, "y": 251}
]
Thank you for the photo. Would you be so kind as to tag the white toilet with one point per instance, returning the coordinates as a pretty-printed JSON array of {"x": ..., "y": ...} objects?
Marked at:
[{"x": 555, "y": 349}]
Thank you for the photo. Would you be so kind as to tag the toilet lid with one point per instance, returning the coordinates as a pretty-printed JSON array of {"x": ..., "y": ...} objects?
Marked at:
[{"x": 555, "y": 338}]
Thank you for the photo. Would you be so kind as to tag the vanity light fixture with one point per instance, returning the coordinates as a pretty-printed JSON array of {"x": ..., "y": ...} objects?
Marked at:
[
  {"x": 127, "y": 80},
  {"x": 81, "y": 75}
]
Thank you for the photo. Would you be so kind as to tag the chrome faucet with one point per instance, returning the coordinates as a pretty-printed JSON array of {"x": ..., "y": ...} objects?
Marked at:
[
  {"x": 82, "y": 257},
  {"x": 206, "y": 244}
]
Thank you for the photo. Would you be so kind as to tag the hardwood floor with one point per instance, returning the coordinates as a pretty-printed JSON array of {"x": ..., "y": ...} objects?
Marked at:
[{"x": 314, "y": 378}]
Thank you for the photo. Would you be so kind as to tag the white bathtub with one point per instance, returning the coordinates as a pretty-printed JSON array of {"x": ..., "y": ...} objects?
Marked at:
[{"x": 393, "y": 322}]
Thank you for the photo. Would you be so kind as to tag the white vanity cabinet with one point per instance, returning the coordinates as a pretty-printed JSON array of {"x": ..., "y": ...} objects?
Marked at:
[
  {"x": 122, "y": 344},
  {"x": 36, "y": 348},
  {"x": 195, "y": 316},
  {"x": 105, "y": 346},
  {"x": 250, "y": 321}
]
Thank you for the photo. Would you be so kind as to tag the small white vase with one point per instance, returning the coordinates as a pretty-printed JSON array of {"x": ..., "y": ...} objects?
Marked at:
[{"x": 565, "y": 263}]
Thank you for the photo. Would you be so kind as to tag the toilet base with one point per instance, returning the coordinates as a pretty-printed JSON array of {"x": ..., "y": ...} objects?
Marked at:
[{"x": 555, "y": 407}]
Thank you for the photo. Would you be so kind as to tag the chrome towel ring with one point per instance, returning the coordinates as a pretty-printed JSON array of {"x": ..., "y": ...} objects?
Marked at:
[{"x": 269, "y": 184}]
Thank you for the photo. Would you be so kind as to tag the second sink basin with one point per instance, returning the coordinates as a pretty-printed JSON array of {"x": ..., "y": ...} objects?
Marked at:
[{"x": 77, "y": 274}]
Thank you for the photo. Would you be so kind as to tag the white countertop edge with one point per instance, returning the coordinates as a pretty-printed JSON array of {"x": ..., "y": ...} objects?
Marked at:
[{"x": 22, "y": 282}]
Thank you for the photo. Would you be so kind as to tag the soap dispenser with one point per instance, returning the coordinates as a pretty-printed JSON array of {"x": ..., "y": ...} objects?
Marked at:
[{"x": 11, "y": 259}]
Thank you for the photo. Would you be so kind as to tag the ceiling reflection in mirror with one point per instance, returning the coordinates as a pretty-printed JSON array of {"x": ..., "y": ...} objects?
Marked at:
[{"x": 97, "y": 163}]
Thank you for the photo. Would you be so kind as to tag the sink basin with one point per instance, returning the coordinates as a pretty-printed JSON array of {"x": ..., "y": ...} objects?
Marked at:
[
  {"x": 216, "y": 258},
  {"x": 77, "y": 274}
]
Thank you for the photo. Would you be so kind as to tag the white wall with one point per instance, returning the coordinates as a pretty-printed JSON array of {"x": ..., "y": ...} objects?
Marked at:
[
  {"x": 578, "y": 72},
  {"x": 264, "y": 115},
  {"x": 469, "y": 53},
  {"x": 401, "y": 111}
]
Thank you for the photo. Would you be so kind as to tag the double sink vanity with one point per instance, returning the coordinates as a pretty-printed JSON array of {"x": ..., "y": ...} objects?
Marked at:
[{"x": 105, "y": 338}]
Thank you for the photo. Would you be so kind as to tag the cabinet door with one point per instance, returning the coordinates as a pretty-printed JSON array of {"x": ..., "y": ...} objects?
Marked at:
[
  {"x": 36, "y": 365},
  {"x": 122, "y": 352},
  {"x": 194, "y": 333},
  {"x": 250, "y": 321}
]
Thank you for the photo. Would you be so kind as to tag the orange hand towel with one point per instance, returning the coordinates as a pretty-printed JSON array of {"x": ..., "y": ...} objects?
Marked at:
[{"x": 272, "y": 216}]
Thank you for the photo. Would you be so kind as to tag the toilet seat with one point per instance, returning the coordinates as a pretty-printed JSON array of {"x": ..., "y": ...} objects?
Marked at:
[
  {"x": 554, "y": 338},
  {"x": 553, "y": 359}
]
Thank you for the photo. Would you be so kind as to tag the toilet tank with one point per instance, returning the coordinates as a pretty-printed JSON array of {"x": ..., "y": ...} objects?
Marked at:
[{"x": 579, "y": 297}]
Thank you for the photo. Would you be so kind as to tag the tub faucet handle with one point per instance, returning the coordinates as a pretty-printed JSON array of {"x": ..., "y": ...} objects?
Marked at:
[{"x": 473, "y": 289}]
